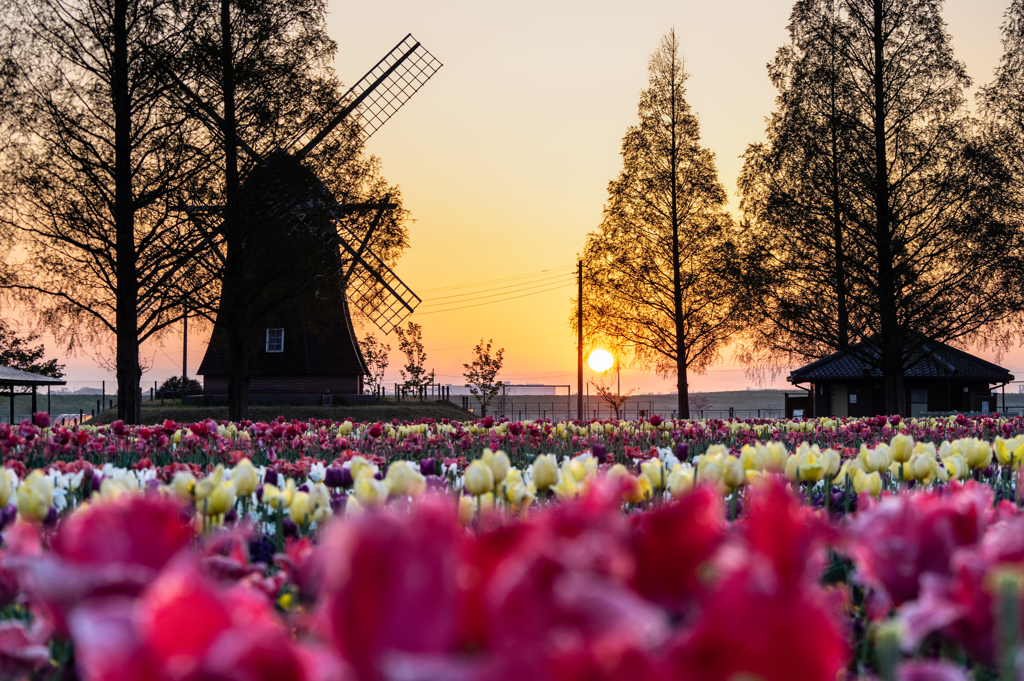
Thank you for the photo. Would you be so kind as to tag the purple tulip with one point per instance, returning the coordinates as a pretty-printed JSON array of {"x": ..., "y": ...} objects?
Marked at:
[
  {"x": 334, "y": 477},
  {"x": 270, "y": 477},
  {"x": 600, "y": 453}
]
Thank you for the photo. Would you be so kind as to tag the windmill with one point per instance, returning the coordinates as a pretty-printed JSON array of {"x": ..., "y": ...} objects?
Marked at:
[{"x": 286, "y": 193}]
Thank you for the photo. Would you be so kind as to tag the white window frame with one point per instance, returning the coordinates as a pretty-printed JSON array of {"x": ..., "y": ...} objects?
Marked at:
[{"x": 281, "y": 347}]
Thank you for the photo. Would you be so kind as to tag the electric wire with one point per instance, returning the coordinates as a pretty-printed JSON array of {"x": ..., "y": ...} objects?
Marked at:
[
  {"x": 492, "y": 295},
  {"x": 463, "y": 307},
  {"x": 516, "y": 340},
  {"x": 500, "y": 288},
  {"x": 495, "y": 281}
]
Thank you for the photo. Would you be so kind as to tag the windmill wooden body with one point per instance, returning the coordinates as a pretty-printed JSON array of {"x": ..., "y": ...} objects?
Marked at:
[{"x": 306, "y": 347}]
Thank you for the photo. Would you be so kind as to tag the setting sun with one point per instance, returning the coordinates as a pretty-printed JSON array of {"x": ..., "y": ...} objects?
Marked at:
[{"x": 600, "y": 360}]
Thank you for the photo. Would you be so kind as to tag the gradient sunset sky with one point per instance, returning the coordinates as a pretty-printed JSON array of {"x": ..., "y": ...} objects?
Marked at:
[{"x": 505, "y": 155}]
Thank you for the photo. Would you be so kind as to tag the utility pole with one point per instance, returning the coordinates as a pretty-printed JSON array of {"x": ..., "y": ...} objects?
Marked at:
[
  {"x": 184, "y": 356},
  {"x": 579, "y": 343}
]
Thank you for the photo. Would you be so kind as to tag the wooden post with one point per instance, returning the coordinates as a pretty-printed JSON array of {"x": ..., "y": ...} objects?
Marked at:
[{"x": 34, "y": 402}]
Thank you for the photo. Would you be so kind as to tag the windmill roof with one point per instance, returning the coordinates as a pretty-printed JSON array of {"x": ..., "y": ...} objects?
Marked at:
[
  {"x": 9, "y": 376},
  {"x": 932, "y": 360}
]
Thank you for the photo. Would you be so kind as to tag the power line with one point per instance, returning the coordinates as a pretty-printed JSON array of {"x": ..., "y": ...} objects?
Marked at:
[
  {"x": 452, "y": 309},
  {"x": 501, "y": 288},
  {"x": 495, "y": 281},
  {"x": 492, "y": 295},
  {"x": 463, "y": 347}
]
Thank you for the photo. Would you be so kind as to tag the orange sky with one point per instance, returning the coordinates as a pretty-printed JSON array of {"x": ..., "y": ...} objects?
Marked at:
[{"x": 504, "y": 156}]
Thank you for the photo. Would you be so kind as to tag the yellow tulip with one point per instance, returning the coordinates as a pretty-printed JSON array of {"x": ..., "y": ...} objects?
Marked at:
[
  {"x": 680, "y": 480},
  {"x": 868, "y": 482},
  {"x": 522, "y": 498},
  {"x": 545, "y": 471},
  {"x": 775, "y": 456},
  {"x": 320, "y": 498},
  {"x": 244, "y": 478},
  {"x": 279, "y": 498},
  {"x": 498, "y": 462},
  {"x": 8, "y": 481},
  {"x": 1009, "y": 452},
  {"x": 35, "y": 497},
  {"x": 977, "y": 453},
  {"x": 370, "y": 491},
  {"x": 417, "y": 485},
  {"x": 901, "y": 447},
  {"x": 466, "y": 510},
  {"x": 479, "y": 478},
  {"x": 219, "y": 501},
  {"x": 300, "y": 510},
  {"x": 877, "y": 459},
  {"x": 205, "y": 486},
  {"x": 566, "y": 488},
  {"x": 956, "y": 467},
  {"x": 360, "y": 467},
  {"x": 397, "y": 478},
  {"x": 654, "y": 472},
  {"x": 184, "y": 485}
]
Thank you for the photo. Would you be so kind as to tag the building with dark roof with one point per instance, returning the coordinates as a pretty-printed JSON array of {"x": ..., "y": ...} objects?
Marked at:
[
  {"x": 937, "y": 378},
  {"x": 297, "y": 361}
]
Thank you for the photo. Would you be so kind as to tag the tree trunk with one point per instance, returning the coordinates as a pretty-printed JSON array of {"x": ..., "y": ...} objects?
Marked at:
[
  {"x": 842, "y": 310},
  {"x": 677, "y": 281},
  {"x": 891, "y": 334},
  {"x": 127, "y": 354},
  {"x": 233, "y": 305}
]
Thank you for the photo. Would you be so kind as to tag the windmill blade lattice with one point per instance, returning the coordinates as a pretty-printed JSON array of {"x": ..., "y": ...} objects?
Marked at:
[
  {"x": 373, "y": 99},
  {"x": 374, "y": 288}
]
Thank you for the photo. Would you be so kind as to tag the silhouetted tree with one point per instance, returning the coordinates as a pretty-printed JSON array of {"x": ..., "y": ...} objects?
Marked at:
[
  {"x": 410, "y": 343},
  {"x": 656, "y": 272},
  {"x": 870, "y": 205},
  {"x": 17, "y": 352},
  {"x": 481, "y": 374},
  {"x": 95, "y": 161},
  {"x": 375, "y": 353}
]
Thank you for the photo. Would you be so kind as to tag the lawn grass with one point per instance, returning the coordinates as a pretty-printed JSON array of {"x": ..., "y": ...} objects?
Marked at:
[{"x": 153, "y": 413}]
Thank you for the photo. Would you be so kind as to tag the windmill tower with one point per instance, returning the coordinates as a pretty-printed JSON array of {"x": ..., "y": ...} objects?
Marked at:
[{"x": 306, "y": 347}]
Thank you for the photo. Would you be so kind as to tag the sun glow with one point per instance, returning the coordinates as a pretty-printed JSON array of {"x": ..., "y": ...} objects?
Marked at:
[{"x": 600, "y": 360}]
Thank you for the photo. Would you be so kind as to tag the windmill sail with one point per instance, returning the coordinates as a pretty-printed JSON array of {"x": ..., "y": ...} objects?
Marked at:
[
  {"x": 372, "y": 100},
  {"x": 374, "y": 288}
]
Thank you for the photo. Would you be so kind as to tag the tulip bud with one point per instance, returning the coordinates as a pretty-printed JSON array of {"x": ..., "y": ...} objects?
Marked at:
[
  {"x": 397, "y": 478},
  {"x": 300, "y": 509},
  {"x": 545, "y": 472},
  {"x": 479, "y": 478},
  {"x": 244, "y": 478},
  {"x": 901, "y": 447},
  {"x": 867, "y": 482},
  {"x": 35, "y": 497},
  {"x": 183, "y": 484},
  {"x": 499, "y": 465},
  {"x": 220, "y": 500},
  {"x": 466, "y": 510}
]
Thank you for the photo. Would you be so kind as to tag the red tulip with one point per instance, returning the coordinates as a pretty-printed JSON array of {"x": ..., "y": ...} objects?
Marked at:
[{"x": 671, "y": 544}]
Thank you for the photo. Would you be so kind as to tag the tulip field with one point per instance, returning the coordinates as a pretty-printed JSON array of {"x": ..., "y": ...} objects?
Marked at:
[{"x": 878, "y": 548}]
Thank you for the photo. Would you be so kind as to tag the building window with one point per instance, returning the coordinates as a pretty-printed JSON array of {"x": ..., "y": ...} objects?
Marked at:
[
  {"x": 919, "y": 396},
  {"x": 275, "y": 340}
]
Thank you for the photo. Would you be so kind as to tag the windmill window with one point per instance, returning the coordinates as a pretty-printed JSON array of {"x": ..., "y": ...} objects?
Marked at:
[{"x": 275, "y": 340}]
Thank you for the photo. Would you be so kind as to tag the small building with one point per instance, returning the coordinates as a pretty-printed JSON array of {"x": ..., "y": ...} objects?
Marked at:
[
  {"x": 297, "y": 361},
  {"x": 937, "y": 378}
]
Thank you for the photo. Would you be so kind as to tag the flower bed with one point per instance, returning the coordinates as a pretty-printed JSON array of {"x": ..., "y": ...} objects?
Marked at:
[{"x": 655, "y": 550}]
